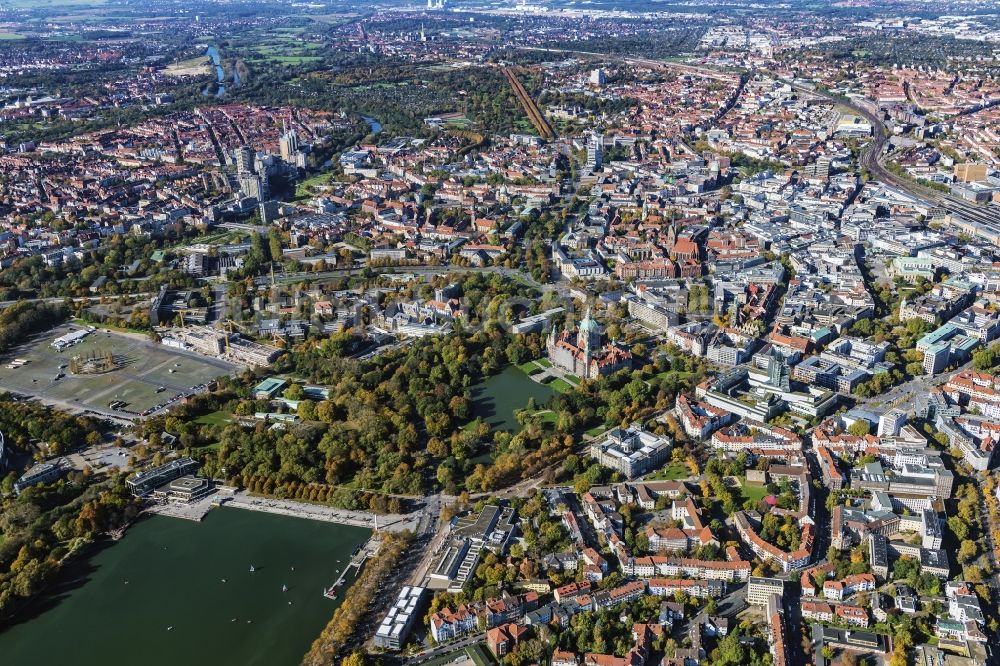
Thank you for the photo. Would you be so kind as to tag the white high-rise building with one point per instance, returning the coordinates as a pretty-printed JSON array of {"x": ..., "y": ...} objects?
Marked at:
[
  {"x": 890, "y": 423},
  {"x": 595, "y": 153},
  {"x": 289, "y": 145},
  {"x": 244, "y": 159}
]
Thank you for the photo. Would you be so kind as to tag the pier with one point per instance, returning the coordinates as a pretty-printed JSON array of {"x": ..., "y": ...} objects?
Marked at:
[{"x": 358, "y": 560}]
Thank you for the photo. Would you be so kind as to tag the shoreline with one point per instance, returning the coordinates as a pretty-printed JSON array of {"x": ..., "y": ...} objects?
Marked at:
[{"x": 293, "y": 509}]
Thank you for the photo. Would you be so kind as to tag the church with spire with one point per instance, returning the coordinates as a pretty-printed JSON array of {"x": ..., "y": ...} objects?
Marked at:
[{"x": 581, "y": 352}]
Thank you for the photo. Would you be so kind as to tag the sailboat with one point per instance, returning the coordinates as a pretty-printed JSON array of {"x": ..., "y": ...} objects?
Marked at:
[
  {"x": 251, "y": 569},
  {"x": 284, "y": 588}
]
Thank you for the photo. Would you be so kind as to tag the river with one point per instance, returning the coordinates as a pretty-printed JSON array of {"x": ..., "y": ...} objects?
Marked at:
[
  {"x": 157, "y": 597},
  {"x": 373, "y": 124},
  {"x": 220, "y": 72}
]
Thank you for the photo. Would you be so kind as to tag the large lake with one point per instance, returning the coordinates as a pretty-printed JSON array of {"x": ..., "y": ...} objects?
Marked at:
[
  {"x": 174, "y": 571},
  {"x": 497, "y": 398}
]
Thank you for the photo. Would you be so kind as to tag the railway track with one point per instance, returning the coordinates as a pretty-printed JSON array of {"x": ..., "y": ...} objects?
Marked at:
[
  {"x": 539, "y": 122},
  {"x": 872, "y": 158}
]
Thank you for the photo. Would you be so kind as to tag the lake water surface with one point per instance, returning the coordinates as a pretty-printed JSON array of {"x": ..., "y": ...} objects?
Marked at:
[
  {"x": 116, "y": 607},
  {"x": 497, "y": 398}
]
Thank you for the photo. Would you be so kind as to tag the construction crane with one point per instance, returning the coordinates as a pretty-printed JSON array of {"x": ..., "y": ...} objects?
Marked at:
[{"x": 229, "y": 332}]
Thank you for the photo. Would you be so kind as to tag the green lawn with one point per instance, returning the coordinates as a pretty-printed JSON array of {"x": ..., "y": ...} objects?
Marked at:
[
  {"x": 752, "y": 492},
  {"x": 214, "y": 447},
  {"x": 471, "y": 426},
  {"x": 560, "y": 385},
  {"x": 679, "y": 375},
  {"x": 545, "y": 416},
  {"x": 480, "y": 655},
  {"x": 313, "y": 181},
  {"x": 672, "y": 472},
  {"x": 597, "y": 430},
  {"x": 529, "y": 367},
  {"x": 291, "y": 60},
  {"x": 544, "y": 362},
  {"x": 214, "y": 418}
]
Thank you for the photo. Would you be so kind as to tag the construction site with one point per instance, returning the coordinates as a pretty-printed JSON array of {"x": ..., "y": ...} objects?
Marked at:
[{"x": 225, "y": 344}]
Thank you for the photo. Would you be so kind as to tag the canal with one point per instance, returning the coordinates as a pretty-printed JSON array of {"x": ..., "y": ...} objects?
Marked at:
[
  {"x": 497, "y": 398},
  {"x": 179, "y": 592}
]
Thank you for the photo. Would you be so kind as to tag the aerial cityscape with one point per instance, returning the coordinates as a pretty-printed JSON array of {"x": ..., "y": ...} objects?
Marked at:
[{"x": 500, "y": 332}]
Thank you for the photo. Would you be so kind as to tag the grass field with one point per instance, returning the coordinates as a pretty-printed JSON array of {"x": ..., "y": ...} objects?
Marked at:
[
  {"x": 560, "y": 385},
  {"x": 531, "y": 367},
  {"x": 302, "y": 186},
  {"x": 285, "y": 50},
  {"x": 672, "y": 472},
  {"x": 199, "y": 66},
  {"x": 752, "y": 492},
  {"x": 145, "y": 367},
  {"x": 480, "y": 655},
  {"x": 545, "y": 416},
  {"x": 214, "y": 418}
]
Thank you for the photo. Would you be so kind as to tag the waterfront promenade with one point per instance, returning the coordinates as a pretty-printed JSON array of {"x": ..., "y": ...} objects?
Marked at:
[
  {"x": 389, "y": 522},
  {"x": 240, "y": 499}
]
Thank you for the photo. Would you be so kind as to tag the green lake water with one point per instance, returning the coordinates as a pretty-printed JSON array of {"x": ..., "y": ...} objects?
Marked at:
[
  {"x": 174, "y": 569},
  {"x": 498, "y": 397}
]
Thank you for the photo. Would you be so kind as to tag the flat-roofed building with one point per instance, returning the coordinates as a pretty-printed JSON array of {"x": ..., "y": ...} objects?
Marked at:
[
  {"x": 43, "y": 473},
  {"x": 631, "y": 451},
  {"x": 930, "y": 529},
  {"x": 268, "y": 389},
  {"x": 397, "y": 623},
  {"x": 759, "y": 589},
  {"x": 848, "y": 639},
  {"x": 184, "y": 490},
  {"x": 878, "y": 555},
  {"x": 149, "y": 480}
]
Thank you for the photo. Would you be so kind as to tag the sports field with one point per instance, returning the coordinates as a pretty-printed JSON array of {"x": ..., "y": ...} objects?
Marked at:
[{"x": 144, "y": 368}]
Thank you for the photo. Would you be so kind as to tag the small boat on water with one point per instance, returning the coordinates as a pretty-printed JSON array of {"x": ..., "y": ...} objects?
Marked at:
[
  {"x": 284, "y": 588},
  {"x": 170, "y": 627},
  {"x": 252, "y": 569}
]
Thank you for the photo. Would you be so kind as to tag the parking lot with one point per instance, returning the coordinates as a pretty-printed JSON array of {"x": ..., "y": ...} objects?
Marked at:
[{"x": 149, "y": 377}]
